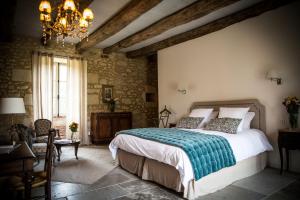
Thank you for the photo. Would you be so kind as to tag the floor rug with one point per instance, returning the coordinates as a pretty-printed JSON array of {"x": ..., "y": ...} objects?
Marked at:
[{"x": 93, "y": 163}]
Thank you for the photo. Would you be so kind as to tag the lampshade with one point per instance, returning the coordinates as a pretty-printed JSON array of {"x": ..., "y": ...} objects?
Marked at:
[{"x": 12, "y": 106}]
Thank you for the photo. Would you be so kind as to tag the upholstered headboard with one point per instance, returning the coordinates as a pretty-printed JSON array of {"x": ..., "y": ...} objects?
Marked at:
[{"x": 259, "y": 121}]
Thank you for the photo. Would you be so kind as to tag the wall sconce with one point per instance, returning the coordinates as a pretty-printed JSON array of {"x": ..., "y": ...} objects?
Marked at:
[
  {"x": 182, "y": 91},
  {"x": 273, "y": 75}
]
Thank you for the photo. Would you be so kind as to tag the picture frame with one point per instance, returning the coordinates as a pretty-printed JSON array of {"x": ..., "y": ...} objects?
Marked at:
[{"x": 107, "y": 93}]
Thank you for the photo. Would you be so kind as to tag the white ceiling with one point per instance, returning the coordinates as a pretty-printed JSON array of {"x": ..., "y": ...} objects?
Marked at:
[{"x": 27, "y": 19}]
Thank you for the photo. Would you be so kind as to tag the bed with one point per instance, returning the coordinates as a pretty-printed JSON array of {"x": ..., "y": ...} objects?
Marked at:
[{"x": 156, "y": 162}]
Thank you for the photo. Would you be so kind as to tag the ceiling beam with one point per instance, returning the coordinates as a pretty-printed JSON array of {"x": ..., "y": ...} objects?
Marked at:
[
  {"x": 125, "y": 16},
  {"x": 189, "y": 13},
  {"x": 211, "y": 27},
  {"x": 7, "y": 16}
]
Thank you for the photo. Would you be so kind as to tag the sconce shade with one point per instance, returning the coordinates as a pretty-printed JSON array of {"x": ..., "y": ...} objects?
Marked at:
[
  {"x": 273, "y": 74},
  {"x": 12, "y": 106}
]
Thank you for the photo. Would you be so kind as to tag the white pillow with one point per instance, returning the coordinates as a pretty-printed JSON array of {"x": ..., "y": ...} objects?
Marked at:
[
  {"x": 247, "y": 120},
  {"x": 213, "y": 115},
  {"x": 237, "y": 113},
  {"x": 202, "y": 112}
]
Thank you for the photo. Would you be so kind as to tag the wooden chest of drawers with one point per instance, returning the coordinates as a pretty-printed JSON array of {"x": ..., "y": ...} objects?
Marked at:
[{"x": 104, "y": 125}]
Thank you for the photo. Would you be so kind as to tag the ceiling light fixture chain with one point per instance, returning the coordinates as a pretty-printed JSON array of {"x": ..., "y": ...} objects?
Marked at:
[{"x": 69, "y": 21}]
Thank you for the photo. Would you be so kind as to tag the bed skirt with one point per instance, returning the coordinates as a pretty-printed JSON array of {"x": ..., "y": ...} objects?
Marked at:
[{"x": 169, "y": 177}]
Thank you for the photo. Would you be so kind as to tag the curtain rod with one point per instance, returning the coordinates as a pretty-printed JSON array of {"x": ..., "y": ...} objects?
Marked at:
[{"x": 63, "y": 55}]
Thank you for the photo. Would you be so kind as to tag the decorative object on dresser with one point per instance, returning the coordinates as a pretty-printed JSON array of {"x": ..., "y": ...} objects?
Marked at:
[
  {"x": 289, "y": 139},
  {"x": 111, "y": 104},
  {"x": 104, "y": 125},
  {"x": 292, "y": 105},
  {"x": 164, "y": 117}
]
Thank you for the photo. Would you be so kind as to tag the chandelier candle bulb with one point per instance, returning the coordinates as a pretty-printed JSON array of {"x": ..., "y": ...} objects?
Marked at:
[
  {"x": 88, "y": 14},
  {"x": 83, "y": 23},
  {"x": 69, "y": 5},
  {"x": 45, "y": 7}
]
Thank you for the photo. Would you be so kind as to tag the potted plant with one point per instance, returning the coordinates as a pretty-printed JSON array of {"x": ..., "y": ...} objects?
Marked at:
[
  {"x": 73, "y": 127},
  {"x": 292, "y": 105}
]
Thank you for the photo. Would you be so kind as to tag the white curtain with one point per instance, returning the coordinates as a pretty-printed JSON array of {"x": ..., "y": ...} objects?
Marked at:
[
  {"x": 77, "y": 97},
  {"x": 42, "y": 68}
]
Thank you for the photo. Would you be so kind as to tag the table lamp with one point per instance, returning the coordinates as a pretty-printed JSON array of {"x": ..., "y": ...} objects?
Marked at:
[{"x": 12, "y": 106}]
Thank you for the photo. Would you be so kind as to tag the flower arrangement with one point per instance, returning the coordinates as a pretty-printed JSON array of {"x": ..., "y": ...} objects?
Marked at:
[
  {"x": 112, "y": 104},
  {"x": 292, "y": 105},
  {"x": 73, "y": 126}
]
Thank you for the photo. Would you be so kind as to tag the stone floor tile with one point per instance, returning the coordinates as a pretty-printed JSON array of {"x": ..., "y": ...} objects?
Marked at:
[
  {"x": 106, "y": 193},
  {"x": 66, "y": 189},
  {"x": 108, "y": 180},
  {"x": 137, "y": 185},
  {"x": 232, "y": 193},
  {"x": 266, "y": 182},
  {"x": 281, "y": 196},
  {"x": 151, "y": 194},
  {"x": 293, "y": 188},
  {"x": 124, "y": 172}
]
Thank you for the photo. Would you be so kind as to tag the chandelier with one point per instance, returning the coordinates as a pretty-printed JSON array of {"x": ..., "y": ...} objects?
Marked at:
[{"x": 67, "y": 20}]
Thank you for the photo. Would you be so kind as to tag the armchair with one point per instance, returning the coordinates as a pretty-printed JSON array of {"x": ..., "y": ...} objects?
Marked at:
[
  {"x": 41, "y": 132},
  {"x": 41, "y": 129}
]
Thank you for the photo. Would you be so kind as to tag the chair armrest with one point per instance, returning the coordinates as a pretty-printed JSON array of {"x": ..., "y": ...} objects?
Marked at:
[
  {"x": 57, "y": 131},
  {"x": 33, "y": 133}
]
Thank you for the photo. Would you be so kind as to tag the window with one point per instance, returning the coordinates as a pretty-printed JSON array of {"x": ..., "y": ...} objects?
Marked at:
[{"x": 59, "y": 87}]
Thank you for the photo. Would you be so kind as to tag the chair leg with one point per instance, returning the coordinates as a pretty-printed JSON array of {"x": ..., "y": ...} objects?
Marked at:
[
  {"x": 48, "y": 191},
  {"x": 38, "y": 161}
]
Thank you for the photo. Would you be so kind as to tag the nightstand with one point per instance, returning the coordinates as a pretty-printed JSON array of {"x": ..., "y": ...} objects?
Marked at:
[
  {"x": 172, "y": 125},
  {"x": 290, "y": 140}
]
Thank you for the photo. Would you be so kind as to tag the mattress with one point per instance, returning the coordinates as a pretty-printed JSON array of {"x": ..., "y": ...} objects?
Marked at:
[{"x": 245, "y": 144}]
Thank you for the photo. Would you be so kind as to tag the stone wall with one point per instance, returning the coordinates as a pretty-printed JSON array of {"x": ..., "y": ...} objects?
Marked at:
[{"x": 131, "y": 79}]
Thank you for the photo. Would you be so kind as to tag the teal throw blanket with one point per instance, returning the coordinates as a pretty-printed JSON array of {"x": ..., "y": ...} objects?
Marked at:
[{"x": 207, "y": 153}]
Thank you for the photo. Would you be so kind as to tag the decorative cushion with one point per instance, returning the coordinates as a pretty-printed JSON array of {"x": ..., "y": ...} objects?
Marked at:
[
  {"x": 189, "y": 122},
  {"x": 227, "y": 125},
  {"x": 41, "y": 139},
  {"x": 202, "y": 112},
  {"x": 237, "y": 113},
  {"x": 39, "y": 148}
]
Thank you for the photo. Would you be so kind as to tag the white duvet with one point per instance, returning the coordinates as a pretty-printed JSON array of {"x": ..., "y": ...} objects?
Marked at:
[{"x": 244, "y": 145}]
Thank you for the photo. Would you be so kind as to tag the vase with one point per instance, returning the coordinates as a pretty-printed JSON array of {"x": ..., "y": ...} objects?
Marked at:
[
  {"x": 73, "y": 136},
  {"x": 293, "y": 118},
  {"x": 112, "y": 107}
]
